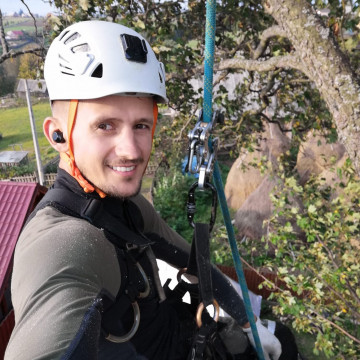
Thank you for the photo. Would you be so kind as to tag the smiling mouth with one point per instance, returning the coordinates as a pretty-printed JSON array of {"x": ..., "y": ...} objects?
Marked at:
[{"x": 123, "y": 168}]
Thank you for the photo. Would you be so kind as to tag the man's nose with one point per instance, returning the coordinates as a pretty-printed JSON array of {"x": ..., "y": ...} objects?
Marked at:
[{"x": 127, "y": 145}]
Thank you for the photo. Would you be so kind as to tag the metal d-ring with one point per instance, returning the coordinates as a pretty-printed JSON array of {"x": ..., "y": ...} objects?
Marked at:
[
  {"x": 131, "y": 333},
  {"x": 146, "y": 292},
  {"x": 180, "y": 273},
  {"x": 200, "y": 310}
]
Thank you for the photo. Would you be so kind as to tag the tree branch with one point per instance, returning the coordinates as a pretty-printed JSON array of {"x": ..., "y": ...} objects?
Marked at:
[
  {"x": 36, "y": 32},
  {"x": 13, "y": 54},
  {"x": 333, "y": 261},
  {"x": 272, "y": 31},
  {"x": 286, "y": 61},
  {"x": 271, "y": 64},
  {"x": 337, "y": 327},
  {"x": 185, "y": 127},
  {"x": 274, "y": 122}
]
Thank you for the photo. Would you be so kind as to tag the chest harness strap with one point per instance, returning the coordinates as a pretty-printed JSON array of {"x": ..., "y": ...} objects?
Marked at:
[{"x": 126, "y": 242}]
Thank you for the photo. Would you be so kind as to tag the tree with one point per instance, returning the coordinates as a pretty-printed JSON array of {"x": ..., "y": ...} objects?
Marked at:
[
  {"x": 30, "y": 65},
  {"x": 316, "y": 54},
  {"x": 8, "y": 53}
]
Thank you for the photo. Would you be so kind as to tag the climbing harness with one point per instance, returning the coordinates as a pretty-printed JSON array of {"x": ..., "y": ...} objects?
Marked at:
[
  {"x": 132, "y": 272},
  {"x": 204, "y": 149}
]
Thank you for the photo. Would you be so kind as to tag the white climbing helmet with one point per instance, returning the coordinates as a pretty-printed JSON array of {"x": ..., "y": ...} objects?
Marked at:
[{"x": 92, "y": 59}]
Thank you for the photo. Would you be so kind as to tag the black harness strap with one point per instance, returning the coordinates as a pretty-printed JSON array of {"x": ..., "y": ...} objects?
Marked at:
[
  {"x": 202, "y": 237},
  {"x": 206, "y": 339},
  {"x": 92, "y": 210}
]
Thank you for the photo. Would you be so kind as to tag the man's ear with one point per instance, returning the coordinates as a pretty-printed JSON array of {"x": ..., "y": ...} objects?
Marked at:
[{"x": 53, "y": 125}]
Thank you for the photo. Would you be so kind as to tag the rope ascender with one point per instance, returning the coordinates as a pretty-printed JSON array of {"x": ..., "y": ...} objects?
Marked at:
[{"x": 204, "y": 148}]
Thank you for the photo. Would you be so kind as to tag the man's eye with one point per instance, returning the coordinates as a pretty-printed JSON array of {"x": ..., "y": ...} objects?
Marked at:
[
  {"x": 105, "y": 126},
  {"x": 142, "y": 126}
]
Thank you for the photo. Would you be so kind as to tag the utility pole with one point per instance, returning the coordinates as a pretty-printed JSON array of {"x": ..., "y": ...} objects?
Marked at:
[{"x": 35, "y": 140}]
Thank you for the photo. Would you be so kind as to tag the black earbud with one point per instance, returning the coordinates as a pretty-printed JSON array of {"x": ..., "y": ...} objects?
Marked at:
[{"x": 58, "y": 136}]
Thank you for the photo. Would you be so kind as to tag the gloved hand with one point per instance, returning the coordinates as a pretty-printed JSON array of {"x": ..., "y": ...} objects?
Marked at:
[{"x": 270, "y": 344}]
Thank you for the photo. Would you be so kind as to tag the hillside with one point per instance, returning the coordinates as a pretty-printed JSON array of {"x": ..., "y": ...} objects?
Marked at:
[
  {"x": 24, "y": 24},
  {"x": 9, "y": 69}
]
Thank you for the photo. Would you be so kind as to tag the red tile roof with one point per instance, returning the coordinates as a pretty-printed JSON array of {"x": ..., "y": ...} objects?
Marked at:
[{"x": 17, "y": 200}]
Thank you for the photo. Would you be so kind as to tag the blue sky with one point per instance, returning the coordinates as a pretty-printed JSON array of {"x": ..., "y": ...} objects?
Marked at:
[{"x": 36, "y": 6}]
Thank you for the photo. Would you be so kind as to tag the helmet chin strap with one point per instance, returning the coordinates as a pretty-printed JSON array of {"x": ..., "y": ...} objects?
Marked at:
[{"x": 69, "y": 155}]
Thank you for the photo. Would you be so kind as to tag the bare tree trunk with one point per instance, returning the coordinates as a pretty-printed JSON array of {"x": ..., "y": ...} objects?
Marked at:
[
  {"x": 8, "y": 53},
  {"x": 4, "y": 44},
  {"x": 323, "y": 62}
]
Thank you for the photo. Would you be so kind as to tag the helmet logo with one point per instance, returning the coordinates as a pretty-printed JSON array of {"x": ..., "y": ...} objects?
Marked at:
[{"x": 134, "y": 48}]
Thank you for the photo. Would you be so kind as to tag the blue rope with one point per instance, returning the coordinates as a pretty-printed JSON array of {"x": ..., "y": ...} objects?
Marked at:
[
  {"x": 207, "y": 117},
  {"x": 209, "y": 59}
]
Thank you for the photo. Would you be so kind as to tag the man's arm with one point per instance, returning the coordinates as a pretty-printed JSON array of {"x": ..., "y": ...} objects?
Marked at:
[
  {"x": 172, "y": 248},
  {"x": 175, "y": 250},
  {"x": 61, "y": 265}
]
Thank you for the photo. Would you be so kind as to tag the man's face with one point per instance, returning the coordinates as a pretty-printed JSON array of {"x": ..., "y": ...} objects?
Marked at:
[{"x": 112, "y": 142}]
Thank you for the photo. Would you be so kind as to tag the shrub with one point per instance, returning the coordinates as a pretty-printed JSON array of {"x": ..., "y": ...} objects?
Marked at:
[
  {"x": 170, "y": 196},
  {"x": 322, "y": 270}
]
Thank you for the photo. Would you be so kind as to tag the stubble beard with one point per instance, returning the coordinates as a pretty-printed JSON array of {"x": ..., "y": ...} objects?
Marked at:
[
  {"x": 113, "y": 191},
  {"x": 118, "y": 195}
]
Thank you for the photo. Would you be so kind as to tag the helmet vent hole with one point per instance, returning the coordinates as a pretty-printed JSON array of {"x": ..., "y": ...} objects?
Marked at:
[
  {"x": 161, "y": 79},
  {"x": 65, "y": 67},
  {"x": 61, "y": 58},
  {"x": 98, "y": 72},
  {"x": 80, "y": 48},
  {"x": 62, "y": 36},
  {"x": 72, "y": 37},
  {"x": 65, "y": 73}
]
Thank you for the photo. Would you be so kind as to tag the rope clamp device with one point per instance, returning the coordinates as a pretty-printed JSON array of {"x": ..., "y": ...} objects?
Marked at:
[
  {"x": 191, "y": 204},
  {"x": 204, "y": 148}
]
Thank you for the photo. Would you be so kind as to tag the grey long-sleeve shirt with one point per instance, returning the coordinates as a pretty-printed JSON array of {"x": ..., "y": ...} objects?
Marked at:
[{"x": 61, "y": 264}]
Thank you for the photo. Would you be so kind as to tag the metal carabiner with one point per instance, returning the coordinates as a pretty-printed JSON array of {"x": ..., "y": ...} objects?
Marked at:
[
  {"x": 135, "y": 326},
  {"x": 133, "y": 330},
  {"x": 146, "y": 292},
  {"x": 191, "y": 204}
]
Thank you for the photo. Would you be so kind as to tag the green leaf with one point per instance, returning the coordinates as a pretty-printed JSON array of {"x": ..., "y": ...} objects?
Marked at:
[{"x": 311, "y": 209}]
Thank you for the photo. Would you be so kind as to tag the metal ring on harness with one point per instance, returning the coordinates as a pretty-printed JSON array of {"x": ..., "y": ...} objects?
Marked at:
[
  {"x": 180, "y": 273},
  {"x": 146, "y": 292},
  {"x": 133, "y": 330},
  {"x": 200, "y": 310},
  {"x": 192, "y": 278}
]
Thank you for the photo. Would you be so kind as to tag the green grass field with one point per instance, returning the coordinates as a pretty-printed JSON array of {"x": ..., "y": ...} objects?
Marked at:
[
  {"x": 16, "y": 130},
  {"x": 24, "y": 24}
]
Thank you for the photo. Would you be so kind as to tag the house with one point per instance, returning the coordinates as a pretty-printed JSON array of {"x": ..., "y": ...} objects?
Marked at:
[
  {"x": 13, "y": 158},
  {"x": 17, "y": 200},
  {"x": 14, "y": 35},
  {"x": 36, "y": 88}
]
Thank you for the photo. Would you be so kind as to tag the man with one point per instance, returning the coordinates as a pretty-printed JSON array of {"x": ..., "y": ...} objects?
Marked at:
[{"x": 85, "y": 283}]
